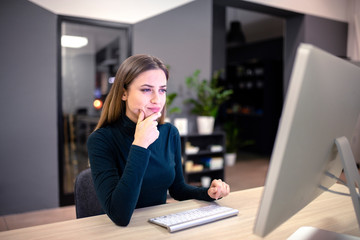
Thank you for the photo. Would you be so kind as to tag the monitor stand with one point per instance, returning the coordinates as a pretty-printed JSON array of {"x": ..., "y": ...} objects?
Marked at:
[
  {"x": 351, "y": 172},
  {"x": 311, "y": 233},
  {"x": 352, "y": 181}
]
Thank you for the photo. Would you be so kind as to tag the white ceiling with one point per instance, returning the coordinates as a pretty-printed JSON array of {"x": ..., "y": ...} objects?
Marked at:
[
  {"x": 124, "y": 11},
  {"x": 133, "y": 11}
]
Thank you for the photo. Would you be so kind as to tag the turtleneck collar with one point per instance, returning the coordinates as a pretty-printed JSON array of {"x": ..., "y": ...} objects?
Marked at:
[{"x": 128, "y": 125}]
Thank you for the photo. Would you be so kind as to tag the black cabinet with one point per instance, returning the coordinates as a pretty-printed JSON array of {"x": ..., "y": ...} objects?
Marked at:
[
  {"x": 203, "y": 155},
  {"x": 255, "y": 73}
]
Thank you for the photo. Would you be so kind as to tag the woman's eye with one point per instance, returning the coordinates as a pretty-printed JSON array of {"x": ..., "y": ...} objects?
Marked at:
[
  {"x": 146, "y": 90},
  {"x": 163, "y": 90}
]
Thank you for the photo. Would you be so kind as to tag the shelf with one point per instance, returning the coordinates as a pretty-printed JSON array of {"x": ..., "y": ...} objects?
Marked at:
[
  {"x": 255, "y": 73},
  {"x": 251, "y": 115},
  {"x": 204, "y": 153},
  {"x": 205, "y": 171},
  {"x": 203, "y": 156},
  {"x": 197, "y": 135}
]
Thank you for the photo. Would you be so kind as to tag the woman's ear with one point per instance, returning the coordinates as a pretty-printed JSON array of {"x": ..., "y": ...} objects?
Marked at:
[{"x": 124, "y": 96}]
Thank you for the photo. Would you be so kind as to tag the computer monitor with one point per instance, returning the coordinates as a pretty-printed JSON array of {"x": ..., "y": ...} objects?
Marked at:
[{"x": 322, "y": 104}]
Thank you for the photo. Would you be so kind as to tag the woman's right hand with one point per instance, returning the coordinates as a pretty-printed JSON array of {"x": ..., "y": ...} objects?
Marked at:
[{"x": 146, "y": 131}]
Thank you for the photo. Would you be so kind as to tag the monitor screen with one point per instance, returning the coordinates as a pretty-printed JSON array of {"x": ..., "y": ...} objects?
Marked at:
[{"x": 322, "y": 103}]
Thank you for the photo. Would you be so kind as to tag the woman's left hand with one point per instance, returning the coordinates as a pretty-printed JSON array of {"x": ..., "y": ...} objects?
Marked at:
[{"x": 218, "y": 189}]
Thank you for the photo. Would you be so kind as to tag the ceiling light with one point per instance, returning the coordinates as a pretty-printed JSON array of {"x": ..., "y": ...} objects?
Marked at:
[{"x": 73, "y": 41}]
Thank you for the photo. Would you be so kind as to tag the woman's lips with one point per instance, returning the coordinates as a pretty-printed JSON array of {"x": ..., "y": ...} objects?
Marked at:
[{"x": 155, "y": 109}]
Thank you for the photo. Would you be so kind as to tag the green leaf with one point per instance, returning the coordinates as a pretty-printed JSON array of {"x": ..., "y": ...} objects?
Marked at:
[
  {"x": 169, "y": 101},
  {"x": 209, "y": 96}
]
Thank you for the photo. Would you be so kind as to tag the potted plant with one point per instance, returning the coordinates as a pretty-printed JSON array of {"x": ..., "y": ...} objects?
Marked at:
[
  {"x": 209, "y": 97},
  {"x": 170, "y": 97},
  {"x": 233, "y": 141},
  {"x": 180, "y": 123},
  {"x": 169, "y": 101}
]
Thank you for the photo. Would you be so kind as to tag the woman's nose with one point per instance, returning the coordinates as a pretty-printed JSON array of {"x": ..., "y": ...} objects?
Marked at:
[{"x": 155, "y": 98}]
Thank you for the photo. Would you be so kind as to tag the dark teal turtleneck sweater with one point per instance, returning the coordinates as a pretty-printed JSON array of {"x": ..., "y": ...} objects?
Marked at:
[{"x": 127, "y": 176}]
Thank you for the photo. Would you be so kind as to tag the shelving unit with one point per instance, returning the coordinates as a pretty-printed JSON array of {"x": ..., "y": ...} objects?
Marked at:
[
  {"x": 205, "y": 157},
  {"x": 255, "y": 73}
]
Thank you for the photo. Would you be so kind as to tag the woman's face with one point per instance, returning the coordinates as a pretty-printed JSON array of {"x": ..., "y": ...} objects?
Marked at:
[{"x": 146, "y": 93}]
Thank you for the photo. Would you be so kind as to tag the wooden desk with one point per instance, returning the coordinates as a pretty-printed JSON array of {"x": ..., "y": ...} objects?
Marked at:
[{"x": 330, "y": 212}]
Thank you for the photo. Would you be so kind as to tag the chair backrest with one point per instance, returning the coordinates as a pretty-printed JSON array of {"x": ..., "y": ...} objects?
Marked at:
[{"x": 86, "y": 201}]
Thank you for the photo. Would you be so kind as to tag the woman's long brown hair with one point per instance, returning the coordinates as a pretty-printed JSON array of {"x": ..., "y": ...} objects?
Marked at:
[{"x": 130, "y": 69}]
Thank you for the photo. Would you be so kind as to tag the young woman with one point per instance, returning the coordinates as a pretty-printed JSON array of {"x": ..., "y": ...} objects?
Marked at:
[{"x": 134, "y": 156}]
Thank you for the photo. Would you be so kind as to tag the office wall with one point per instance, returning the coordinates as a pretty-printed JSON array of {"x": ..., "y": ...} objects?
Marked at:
[
  {"x": 182, "y": 38},
  {"x": 330, "y": 9},
  {"x": 329, "y": 35},
  {"x": 28, "y": 122}
]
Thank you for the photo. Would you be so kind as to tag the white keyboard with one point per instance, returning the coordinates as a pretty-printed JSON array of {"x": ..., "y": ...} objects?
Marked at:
[{"x": 194, "y": 217}]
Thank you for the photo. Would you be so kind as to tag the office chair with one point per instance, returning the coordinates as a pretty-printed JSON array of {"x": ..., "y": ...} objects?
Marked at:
[{"x": 86, "y": 201}]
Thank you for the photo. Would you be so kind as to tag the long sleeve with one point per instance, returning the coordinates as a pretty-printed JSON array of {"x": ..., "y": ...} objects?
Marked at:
[{"x": 118, "y": 193}]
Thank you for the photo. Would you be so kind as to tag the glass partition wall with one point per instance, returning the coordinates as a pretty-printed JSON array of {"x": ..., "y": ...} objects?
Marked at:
[{"x": 90, "y": 53}]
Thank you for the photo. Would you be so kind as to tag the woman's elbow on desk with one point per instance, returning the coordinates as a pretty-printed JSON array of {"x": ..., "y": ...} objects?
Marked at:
[
  {"x": 120, "y": 218},
  {"x": 120, "y": 221},
  {"x": 123, "y": 223}
]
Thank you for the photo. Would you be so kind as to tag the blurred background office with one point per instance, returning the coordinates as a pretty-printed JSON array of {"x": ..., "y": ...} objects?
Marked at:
[{"x": 47, "y": 91}]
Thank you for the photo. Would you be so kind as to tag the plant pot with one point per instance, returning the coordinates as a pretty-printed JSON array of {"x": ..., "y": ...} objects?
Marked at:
[
  {"x": 182, "y": 125},
  {"x": 230, "y": 159},
  {"x": 205, "y": 124}
]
